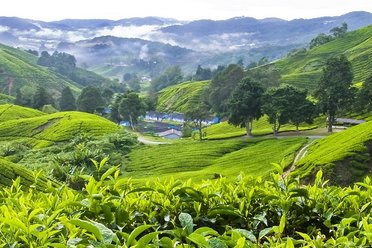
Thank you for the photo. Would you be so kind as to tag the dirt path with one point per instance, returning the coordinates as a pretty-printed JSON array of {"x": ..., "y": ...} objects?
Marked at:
[
  {"x": 150, "y": 142},
  {"x": 300, "y": 154}
]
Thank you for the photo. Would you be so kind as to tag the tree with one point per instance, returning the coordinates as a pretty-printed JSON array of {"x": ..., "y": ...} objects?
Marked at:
[
  {"x": 202, "y": 73},
  {"x": 131, "y": 107},
  {"x": 197, "y": 113},
  {"x": 41, "y": 98},
  {"x": 320, "y": 40},
  {"x": 303, "y": 110},
  {"x": 287, "y": 104},
  {"x": 339, "y": 31},
  {"x": 333, "y": 91},
  {"x": 222, "y": 86},
  {"x": 268, "y": 76},
  {"x": 245, "y": 104},
  {"x": 90, "y": 100},
  {"x": 67, "y": 101}
]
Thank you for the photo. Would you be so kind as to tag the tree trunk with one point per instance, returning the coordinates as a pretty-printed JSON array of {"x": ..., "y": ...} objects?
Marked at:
[
  {"x": 248, "y": 127},
  {"x": 297, "y": 130},
  {"x": 200, "y": 131},
  {"x": 131, "y": 122},
  {"x": 330, "y": 123}
]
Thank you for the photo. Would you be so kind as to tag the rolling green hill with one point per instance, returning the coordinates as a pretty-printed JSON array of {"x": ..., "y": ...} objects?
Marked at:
[
  {"x": 177, "y": 98},
  {"x": 210, "y": 159},
  {"x": 14, "y": 112},
  {"x": 344, "y": 157},
  {"x": 303, "y": 69},
  {"x": 21, "y": 68},
  {"x": 44, "y": 130}
]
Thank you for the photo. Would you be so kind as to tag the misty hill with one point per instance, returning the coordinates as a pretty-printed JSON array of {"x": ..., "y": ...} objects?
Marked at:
[
  {"x": 206, "y": 42},
  {"x": 19, "y": 70}
]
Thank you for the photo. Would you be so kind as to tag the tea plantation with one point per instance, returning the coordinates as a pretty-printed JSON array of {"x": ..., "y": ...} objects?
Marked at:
[{"x": 345, "y": 157}]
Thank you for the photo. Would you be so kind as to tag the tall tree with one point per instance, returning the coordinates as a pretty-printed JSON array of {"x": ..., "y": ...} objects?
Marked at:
[
  {"x": 67, "y": 101},
  {"x": 222, "y": 86},
  {"x": 90, "y": 100},
  {"x": 131, "y": 107},
  {"x": 170, "y": 76},
  {"x": 197, "y": 113},
  {"x": 245, "y": 104},
  {"x": 41, "y": 98},
  {"x": 333, "y": 92}
]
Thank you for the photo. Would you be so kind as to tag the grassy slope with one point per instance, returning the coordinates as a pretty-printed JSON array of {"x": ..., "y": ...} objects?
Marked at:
[
  {"x": 224, "y": 130},
  {"x": 55, "y": 127},
  {"x": 304, "y": 69},
  {"x": 202, "y": 160},
  {"x": 176, "y": 98},
  {"x": 10, "y": 171},
  {"x": 23, "y": 68},
  {"x": 343, "y": 155},
  {"x": 14, "y": 112}
]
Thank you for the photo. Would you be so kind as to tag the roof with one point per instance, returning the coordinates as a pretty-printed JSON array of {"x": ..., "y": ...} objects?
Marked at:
[
  {"x": 170, "y": 131},
  {"x": 351, "y": 121}
]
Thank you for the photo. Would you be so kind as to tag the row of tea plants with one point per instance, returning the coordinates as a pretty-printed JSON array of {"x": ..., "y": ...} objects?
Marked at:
[{"x": 112, "y": 212}]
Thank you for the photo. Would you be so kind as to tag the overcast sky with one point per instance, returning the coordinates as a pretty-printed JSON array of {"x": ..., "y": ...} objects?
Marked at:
[{"x": 179, "y": 9}]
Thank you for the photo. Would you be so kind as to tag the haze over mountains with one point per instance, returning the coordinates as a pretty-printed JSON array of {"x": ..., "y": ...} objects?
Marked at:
[{"x": 149, "y": 45}]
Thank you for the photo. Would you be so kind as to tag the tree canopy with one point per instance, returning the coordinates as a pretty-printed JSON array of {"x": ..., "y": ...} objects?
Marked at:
[
  {"x": 90, "y": 100},
  {"x": 333, "y": 91},
  {"x": 67, "y": 101},
  {"x": 222, "y": 86},
  {"x": 245, "y": 104},
  {"x": 131, "y": 106}
]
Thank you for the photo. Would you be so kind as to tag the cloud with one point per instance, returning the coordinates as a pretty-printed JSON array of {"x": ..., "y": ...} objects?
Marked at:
[{"x": 3, "y": 28}]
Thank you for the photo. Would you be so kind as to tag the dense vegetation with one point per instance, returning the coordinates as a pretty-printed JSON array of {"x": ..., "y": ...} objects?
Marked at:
[{"x": 111, "y": 212}]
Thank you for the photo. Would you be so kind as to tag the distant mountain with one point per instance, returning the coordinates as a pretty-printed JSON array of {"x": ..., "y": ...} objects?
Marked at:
[{"x": 168, "y": 41}]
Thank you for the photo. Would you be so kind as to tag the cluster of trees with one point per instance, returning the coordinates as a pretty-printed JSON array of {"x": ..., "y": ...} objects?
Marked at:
[
  {"x": 133, "y": 81},
  {"x": 323, "y": 38},
  {"x": 62, "y": 63},
  {"x": 246, "y": 96}
]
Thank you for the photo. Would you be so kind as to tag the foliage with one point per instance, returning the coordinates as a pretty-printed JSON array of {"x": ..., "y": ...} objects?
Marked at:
[
  {"x": 282, "y": 105},
  {"x": 131, "y": 106},
  {"x": 202, "y": 74},
  {"x": 267, "y": 76},
  {"x": 67, "y": 101},
  {"x": 111, "y": 212},
  {"x": 197, "y": 114},
  {"x": 333, "y": 92},
  {"x": 345, "y": 157},
  {"x": 222, "y": 86},
  {"x": 41, "y": 98},
  {"x": 320, "y": 39},
  {"x": 245, "y": 104},
  {"x": 90, "y": 100}
]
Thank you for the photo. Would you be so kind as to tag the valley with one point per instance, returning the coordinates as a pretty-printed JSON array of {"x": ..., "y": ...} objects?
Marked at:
[{"x": 208, "y": 133}]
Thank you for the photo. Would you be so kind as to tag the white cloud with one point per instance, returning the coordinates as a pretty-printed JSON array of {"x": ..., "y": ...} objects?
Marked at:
[
  {"x": 3, "y": 28},
  {"x": 179, "y": 9}
]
